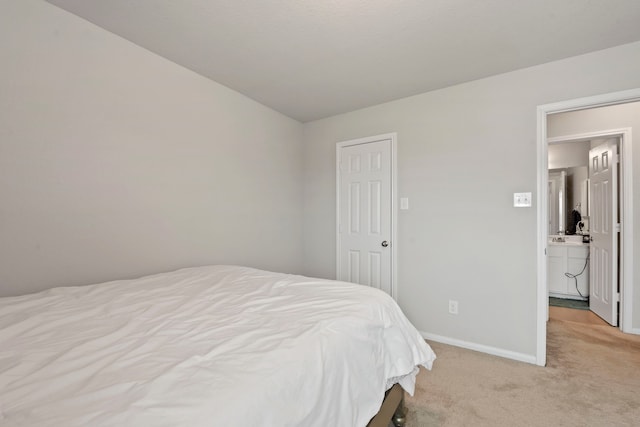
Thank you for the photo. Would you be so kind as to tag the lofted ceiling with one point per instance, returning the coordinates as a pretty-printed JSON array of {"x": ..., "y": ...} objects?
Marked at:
[{"x": 311, "y": 59}]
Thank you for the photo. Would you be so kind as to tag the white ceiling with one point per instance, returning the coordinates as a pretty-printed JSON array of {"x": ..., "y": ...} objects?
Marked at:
[{"x": 311, "y": 59}]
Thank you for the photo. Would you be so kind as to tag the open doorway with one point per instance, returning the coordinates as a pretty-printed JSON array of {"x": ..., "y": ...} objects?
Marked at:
[
  {"x": 545, "y": 129},
  {"x": 585, "y": 200}
]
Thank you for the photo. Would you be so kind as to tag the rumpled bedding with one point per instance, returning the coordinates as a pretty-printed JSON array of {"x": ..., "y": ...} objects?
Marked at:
[{"x": 205, "y": 346}]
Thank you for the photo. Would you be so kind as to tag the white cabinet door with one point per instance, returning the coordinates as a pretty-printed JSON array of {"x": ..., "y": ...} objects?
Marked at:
[
  {"x": 563, "y": 260},
  {"x": 556, "y": 266},
  {"x": 577, "y": 264}
]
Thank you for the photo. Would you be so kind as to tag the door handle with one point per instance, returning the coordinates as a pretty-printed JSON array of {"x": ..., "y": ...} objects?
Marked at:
[{"x": 384, "y": 243}]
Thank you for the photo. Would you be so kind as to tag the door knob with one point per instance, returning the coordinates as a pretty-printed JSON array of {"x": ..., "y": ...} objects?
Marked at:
[{"x": 384, "y": 243}]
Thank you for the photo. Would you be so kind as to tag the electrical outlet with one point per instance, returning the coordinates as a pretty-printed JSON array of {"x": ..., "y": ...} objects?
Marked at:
[{"x": 453, "y": 306}]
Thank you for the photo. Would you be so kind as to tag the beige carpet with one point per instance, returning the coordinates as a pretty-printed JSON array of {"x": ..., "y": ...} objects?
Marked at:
[{"x": 592, "y": 378}]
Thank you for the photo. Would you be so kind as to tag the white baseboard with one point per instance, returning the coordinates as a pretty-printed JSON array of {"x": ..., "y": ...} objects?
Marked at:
[{"x": 508, "y": 354}]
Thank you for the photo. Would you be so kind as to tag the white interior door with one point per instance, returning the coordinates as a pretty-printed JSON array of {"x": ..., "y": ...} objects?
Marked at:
[
  {"x": 603, "y": 270},
  {"x": 364, "y": 214}
]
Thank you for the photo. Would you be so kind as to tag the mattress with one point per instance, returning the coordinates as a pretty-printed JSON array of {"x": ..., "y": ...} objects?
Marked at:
[{"x": 205, "y": 346}]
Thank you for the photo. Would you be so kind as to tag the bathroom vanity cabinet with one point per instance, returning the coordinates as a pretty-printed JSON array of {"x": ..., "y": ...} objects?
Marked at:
[{"x": 567, "y": 258}]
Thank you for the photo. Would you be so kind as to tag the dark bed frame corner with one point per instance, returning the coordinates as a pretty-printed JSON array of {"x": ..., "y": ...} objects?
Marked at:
[{"x": 392, "y": 409}]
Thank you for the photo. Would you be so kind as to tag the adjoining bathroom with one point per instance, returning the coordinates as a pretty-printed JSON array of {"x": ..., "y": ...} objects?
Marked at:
[
  {"x": 596, "y": 141},
  {"x": 569, "y": 238},
  {"x": 579, "y": 198}
]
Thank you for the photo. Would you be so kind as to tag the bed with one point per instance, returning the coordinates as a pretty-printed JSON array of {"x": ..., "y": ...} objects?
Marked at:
[{"x": 205, "y": 346}]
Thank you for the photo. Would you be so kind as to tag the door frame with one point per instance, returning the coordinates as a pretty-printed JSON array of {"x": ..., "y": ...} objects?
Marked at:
[
  {"x": 626, "y": 272},
  {"x": 625, "y": 268},
  {"x": 394, "y": 215}
]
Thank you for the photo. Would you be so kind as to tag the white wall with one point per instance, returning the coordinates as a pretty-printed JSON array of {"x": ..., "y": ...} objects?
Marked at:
[
  {"x": 568, "y": 155},
  {"x": 462, "y": 153},
  {"x": 601, "y": 119},
  {"x": 115, "y": 162}
]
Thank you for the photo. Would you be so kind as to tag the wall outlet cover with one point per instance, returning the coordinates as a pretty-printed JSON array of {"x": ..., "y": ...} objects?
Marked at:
[
  {"x": 453, "y": 307},
  {"x": 404, "y": 203}
]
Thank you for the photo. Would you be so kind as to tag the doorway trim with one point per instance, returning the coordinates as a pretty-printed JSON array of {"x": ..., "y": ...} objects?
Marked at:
[
  {"x": 542, "y": 200},
  {"x": 626, "y": 212},
  {"x": 394, "y": 191}
]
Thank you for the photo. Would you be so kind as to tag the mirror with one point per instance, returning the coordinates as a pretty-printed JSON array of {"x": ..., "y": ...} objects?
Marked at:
[
  {"x": 557, "y": 201},
  {"x": 568, "y": 186},
  {"x": 568, "y": 190}
]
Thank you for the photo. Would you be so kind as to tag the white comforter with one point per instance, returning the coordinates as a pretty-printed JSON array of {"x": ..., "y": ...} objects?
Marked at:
[{"x": 209, "y": 346}]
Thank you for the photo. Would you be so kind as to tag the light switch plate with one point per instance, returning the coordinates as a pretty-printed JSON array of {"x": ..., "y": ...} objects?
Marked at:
[
  {"x": 522, "y": 200},
  {"x": 404, "y": 203}
]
